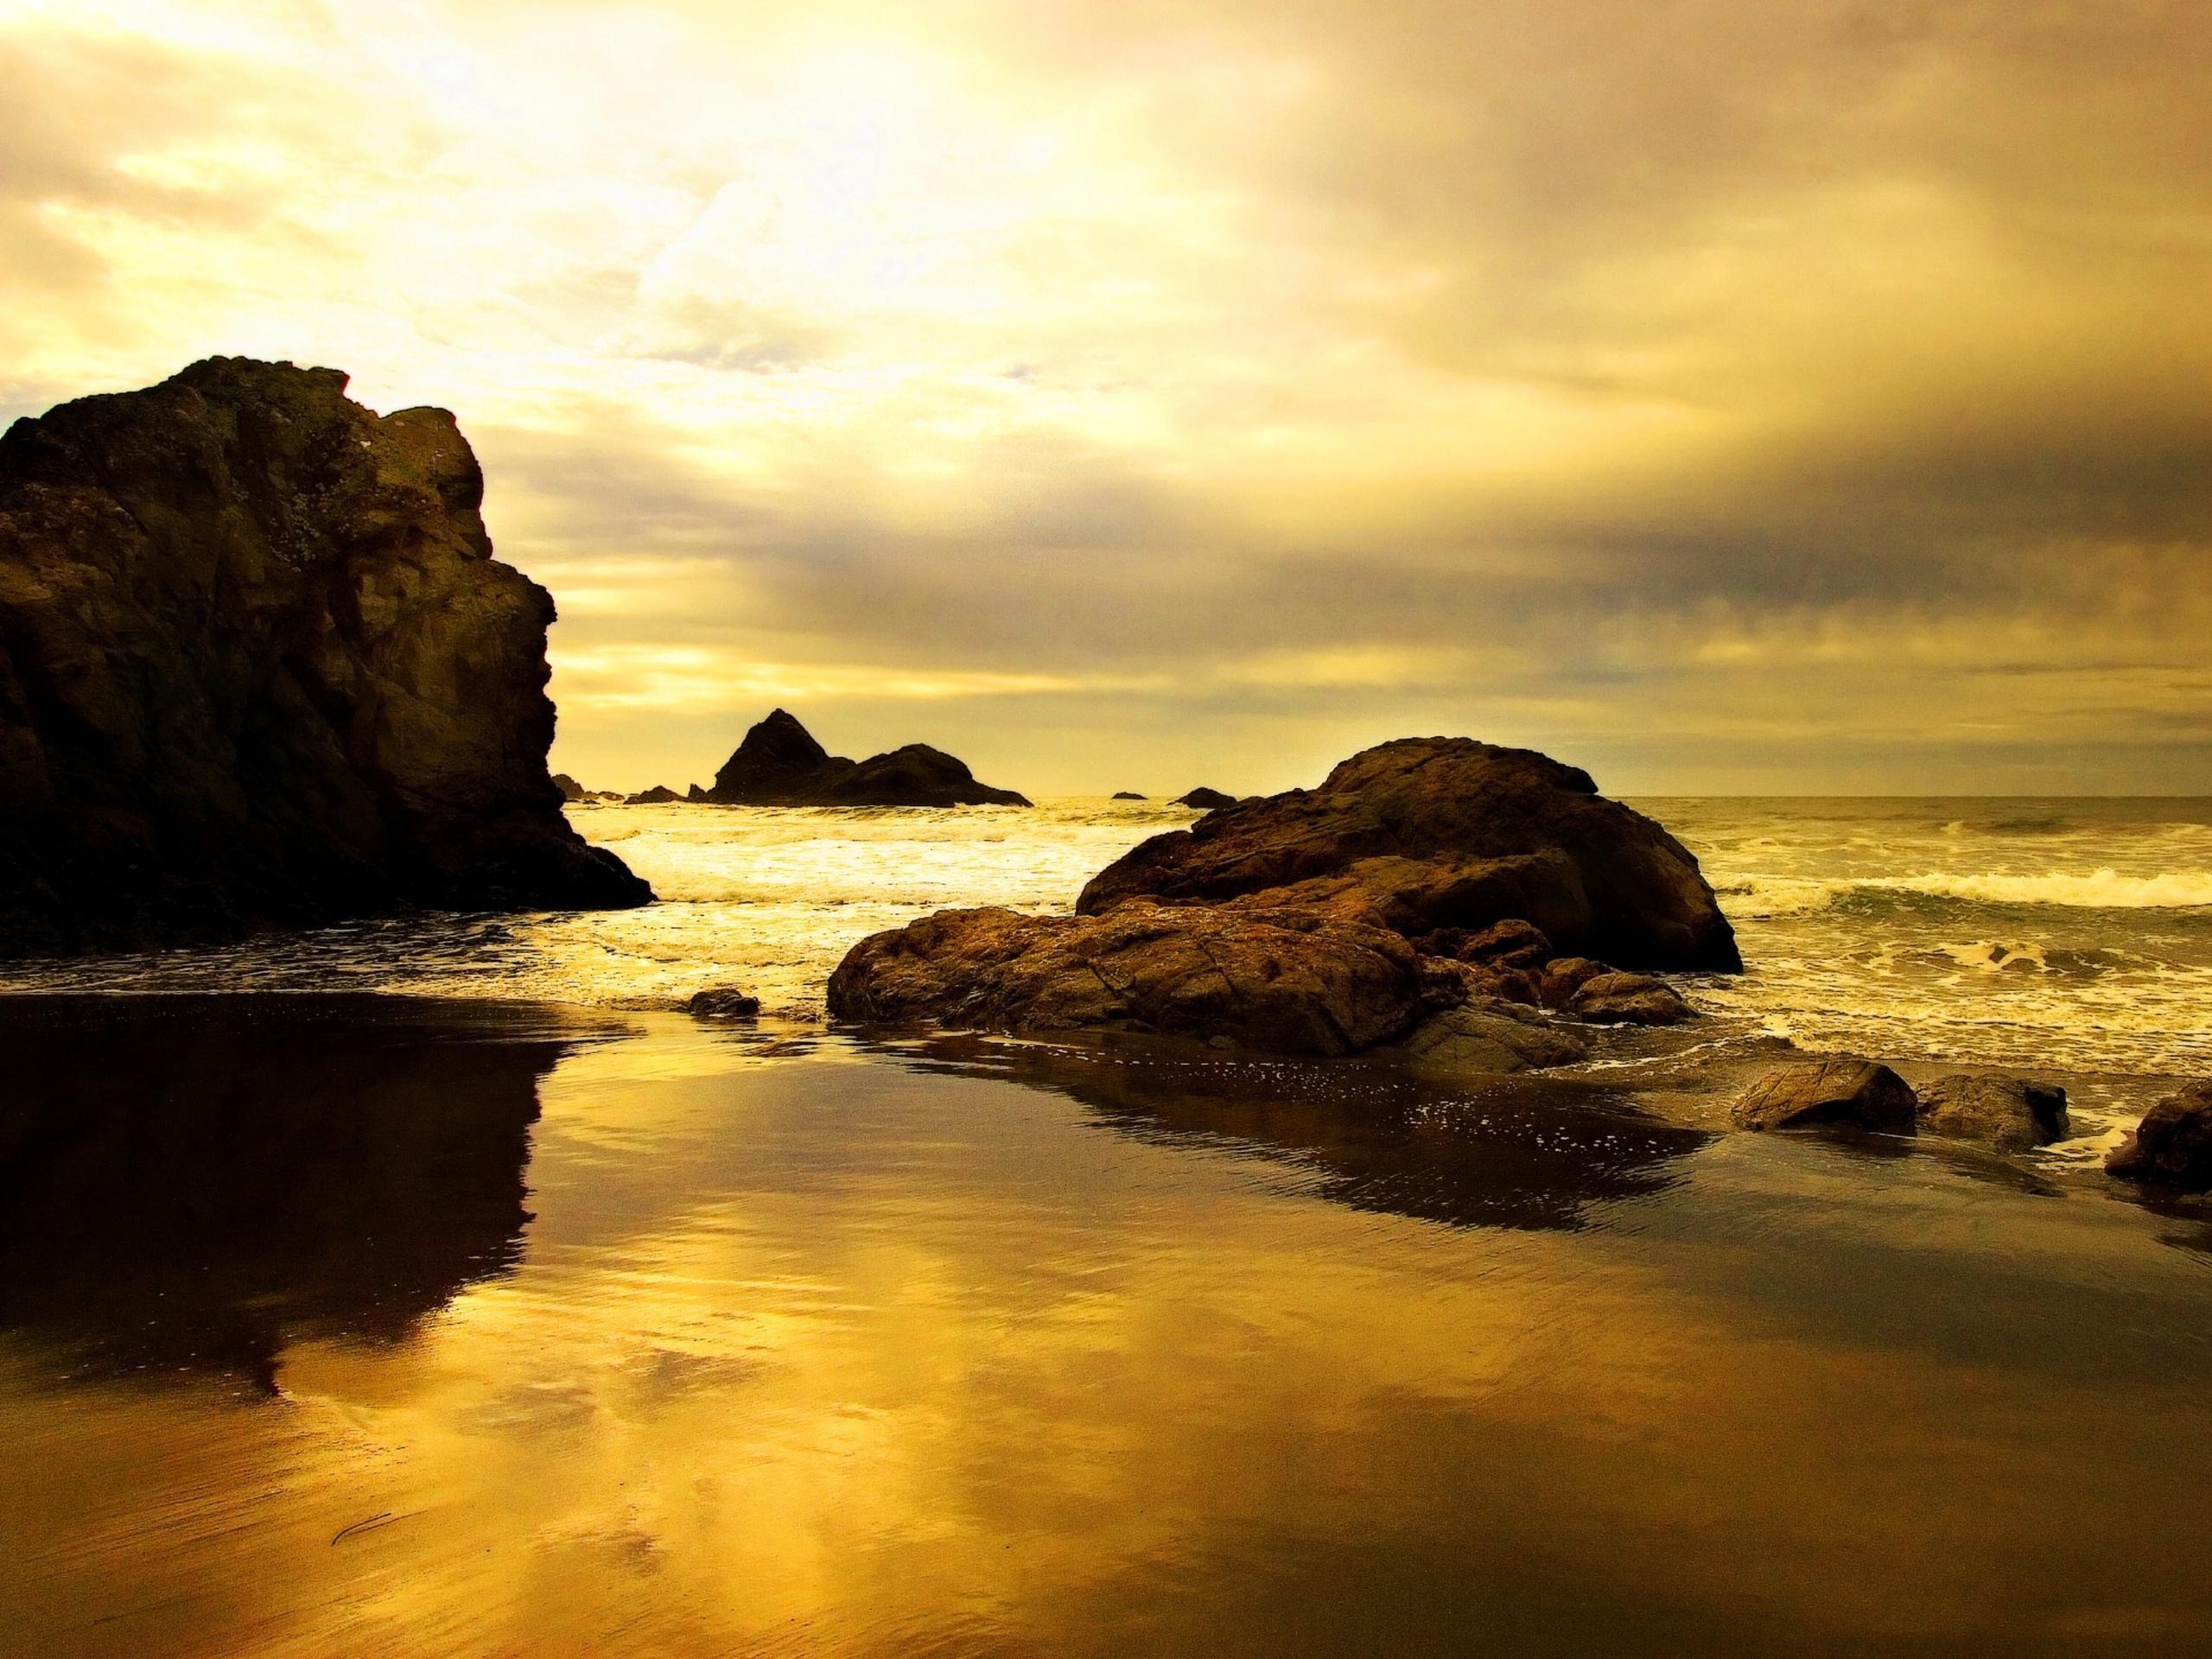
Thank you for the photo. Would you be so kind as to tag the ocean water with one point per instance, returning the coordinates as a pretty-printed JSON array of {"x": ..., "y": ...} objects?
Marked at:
[
  {"x": 524, "y": 1315},
  {"x": 2069, "y": 935}
]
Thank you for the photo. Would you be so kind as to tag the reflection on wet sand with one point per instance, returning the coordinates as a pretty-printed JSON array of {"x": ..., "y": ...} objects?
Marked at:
[
  {"x": 814, "y": 1350},
  {"x": 1530, "y": 1151},
  {"x": 188, "y": 1185}
]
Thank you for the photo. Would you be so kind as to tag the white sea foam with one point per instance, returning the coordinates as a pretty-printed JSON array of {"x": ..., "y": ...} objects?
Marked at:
[
  {"x": 2101, "y": 889},
  {"x": 2104, "y": 889}
]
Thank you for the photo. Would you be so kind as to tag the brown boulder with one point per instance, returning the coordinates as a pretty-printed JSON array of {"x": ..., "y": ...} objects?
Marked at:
[
  {"x": 1629, "y": 1000},
  {"x": 1510, "y": 943},
  {"x": 2172, "y": 1145},
  {"x": 1561, "y": 980},
  {"x": 2010, "y": 1114},
  {"x": 1850, "y": 1093},
  {"x": 258, "y": 665},
  {"x": 1492, "y": 1037},
  {"x": 1474, "y": 835},
  {"x": 1286, "y": 980},
  {"x": 723, "y": 1002}
]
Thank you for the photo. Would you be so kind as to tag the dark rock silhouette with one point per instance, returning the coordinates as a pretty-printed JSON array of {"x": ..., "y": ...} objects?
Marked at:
[
  {"x": 569, "y": 788},
  {"x": 1129, "y": 795},
  {"x": 658, "y": 795},
  {"x": 1848, "y": 1093},
  {"x": 1437, "y": 833},
  {"x": 1287, "y": 981},
  {"x": 2172, "y": 1145},
  {"x": 1206, "y": 800},
  {"x": 2010, "y": 1114},
  {"x": 779, "y": 764},
  {"x": 258, "y": 665}
]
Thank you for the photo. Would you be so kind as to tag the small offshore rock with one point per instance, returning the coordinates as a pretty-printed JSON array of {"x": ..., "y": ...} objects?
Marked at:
[
  {"x": 569, "y": 788},
  {"x": 1849, "y": 1093},
  {"x": 1206, "y": 800},
  {"x": 2172, "y": 1145},
  {"x": 2010, "y": 1114},
  {"x": 723, "y": 1002},
  {"x": 778, "y": 763},
  {"x": 1629, "y": 1000},
  {"x": 1129, "y": 795},
  {"x": 658, "y": 795}
]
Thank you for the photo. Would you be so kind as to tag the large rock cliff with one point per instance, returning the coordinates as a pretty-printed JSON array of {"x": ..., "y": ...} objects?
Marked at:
[{"x": 258, "y": 665}]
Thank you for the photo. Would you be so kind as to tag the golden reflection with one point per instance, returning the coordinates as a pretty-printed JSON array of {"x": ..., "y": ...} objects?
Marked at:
[{"x": 987, "y": 1351}]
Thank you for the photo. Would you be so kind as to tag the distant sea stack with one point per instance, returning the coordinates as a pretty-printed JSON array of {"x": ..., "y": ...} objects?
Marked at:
[
  {"x": 1206, "y": 800},
  {"x": 779, "y": 764},
  {"x": 257, "y": 665}
]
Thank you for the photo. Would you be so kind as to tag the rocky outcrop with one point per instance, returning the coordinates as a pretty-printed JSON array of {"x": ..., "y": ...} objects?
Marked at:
[
  {"x": 2172, "y": 1145},
  {"x": 1510, "y": 943},
  {"x": 1845, "y": 1093},
  {"x": 658, "y": 795},
  {"x": 1448, "y": 834},
  {"x": 1129, "y": 795},
  {"x": 1287, "y": 982},
  {"x": 1495, "y": 1036},
  {"x": 258, "y": 665},
  {"x": 779, "y": 764},
  {"x": 569, "y": 788},
  {"x": 1204, "y": 799},
  {"x": 1614, "y": 998},
  {"x": 2010, "y": 1114}
]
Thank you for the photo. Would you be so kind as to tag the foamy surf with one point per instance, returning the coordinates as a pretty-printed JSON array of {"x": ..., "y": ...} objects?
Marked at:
[{"x": 2100, "y": 889}]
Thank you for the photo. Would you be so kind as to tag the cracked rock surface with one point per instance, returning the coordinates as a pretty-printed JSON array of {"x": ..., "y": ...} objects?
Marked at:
[
  {"x": 1289, "y": 981},
  {"x": 1440, "y": 833}
]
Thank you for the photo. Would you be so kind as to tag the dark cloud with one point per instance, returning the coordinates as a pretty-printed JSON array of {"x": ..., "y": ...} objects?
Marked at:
[{"x": 1731, "y": 394}]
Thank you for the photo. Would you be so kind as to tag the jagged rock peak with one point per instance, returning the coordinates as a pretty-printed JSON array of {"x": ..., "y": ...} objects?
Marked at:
[{"x": 257, "y": 665}]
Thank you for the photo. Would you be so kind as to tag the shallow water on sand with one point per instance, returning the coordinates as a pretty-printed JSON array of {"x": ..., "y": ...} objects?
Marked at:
[{"x": 339, "y": 1327}]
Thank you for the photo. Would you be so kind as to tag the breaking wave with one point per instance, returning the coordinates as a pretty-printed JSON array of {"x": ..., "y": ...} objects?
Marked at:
[{"x": 2104, "y": 889}]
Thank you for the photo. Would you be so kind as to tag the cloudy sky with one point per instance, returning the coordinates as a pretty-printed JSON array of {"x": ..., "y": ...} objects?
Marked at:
[{"x": 1724, "y": 394}]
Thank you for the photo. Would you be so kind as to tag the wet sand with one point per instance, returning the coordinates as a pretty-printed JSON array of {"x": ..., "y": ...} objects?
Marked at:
[{"x": 369, "y": 1325}]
